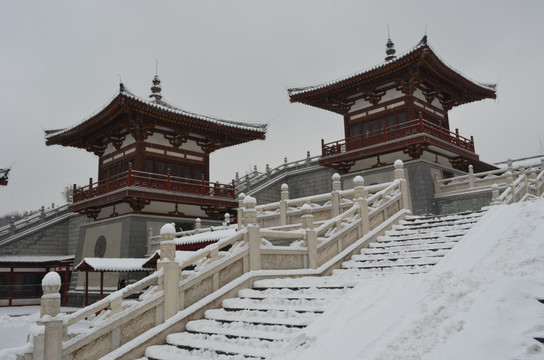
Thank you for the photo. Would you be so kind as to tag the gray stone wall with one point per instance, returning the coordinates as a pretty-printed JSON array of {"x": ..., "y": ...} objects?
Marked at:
[
  {"x": 306, "y": 182},
  {"x": 466, "y": 202},
  {"x": 56, "y": 237}
]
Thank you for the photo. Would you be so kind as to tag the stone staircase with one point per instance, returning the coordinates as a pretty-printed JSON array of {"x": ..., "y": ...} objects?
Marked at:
[
  {"x": 265, "y": 320},
  {"x": 413, "y": 246},
  {"x": 260, "y": 321}
]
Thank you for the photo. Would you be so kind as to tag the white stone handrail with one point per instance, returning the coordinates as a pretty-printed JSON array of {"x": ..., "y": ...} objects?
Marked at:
[{"x": 173, "y": 288}]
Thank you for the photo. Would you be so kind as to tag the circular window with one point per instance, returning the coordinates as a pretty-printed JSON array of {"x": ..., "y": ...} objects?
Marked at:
[{"x": 100, "y": 246}]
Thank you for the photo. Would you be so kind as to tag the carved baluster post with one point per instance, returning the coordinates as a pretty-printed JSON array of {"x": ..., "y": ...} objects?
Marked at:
[
  {"x": 335, "y": 195},
  {"x": 399, "y": 175},
  {"x": 310, "y": 234},
  {"x": 171, "y": 270},
  {"x": 471, "y": 176},
  {"x": 495, "y": 195},
  {"x": 283, "y": 204},
  {"x": 240, "y": 211},
  {"x": 510, "y": 184},
  {"x": 360, "y": 196},
  {"x": 525, "y": 182},
  {"x": 534, "y": 182},
  {"x": 510, "y": 166},
  {"x": 49, "y": 345},
  {"x": 253, "y": 233}
]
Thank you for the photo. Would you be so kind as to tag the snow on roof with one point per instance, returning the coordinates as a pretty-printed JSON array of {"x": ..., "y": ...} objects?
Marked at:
[
  {"x": 209, "y": 236},
  {"x": 38, "y": 259},
  {"x": 113, "y": 264},
  {"x": 163, "y": 105},
  {"x": 422, "y": 43}
]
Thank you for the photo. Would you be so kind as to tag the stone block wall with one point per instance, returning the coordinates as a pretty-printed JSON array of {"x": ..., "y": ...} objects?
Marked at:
[{"x": 465, "y": 202}]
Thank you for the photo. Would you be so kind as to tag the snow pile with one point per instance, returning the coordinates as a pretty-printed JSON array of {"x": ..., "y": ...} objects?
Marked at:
[{"x": 479, "y": 302}]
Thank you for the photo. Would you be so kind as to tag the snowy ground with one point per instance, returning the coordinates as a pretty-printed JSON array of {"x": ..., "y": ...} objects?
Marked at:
[
  {"x": 479, "y": 302},
  {"x": 14, "y": 325}
]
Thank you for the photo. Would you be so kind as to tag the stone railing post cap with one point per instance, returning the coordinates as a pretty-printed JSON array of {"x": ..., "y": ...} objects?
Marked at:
[
  {"x": 168, "y": 229},
  {"x": 51, "y": 283},
  {"x": 495, "y": 186},
  {"x": 241, "y": 196},
  {"x": 336, "y": 177},
  {"x": 250, "y": 200},
  {"x": 398, "y": 164},
  {"x": 284, "y": 187},
  {"x": 358, "y": 180},
  {"x": 306, "y": 208}
]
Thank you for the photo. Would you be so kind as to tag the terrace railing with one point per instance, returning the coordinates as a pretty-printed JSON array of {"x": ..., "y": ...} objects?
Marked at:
[
  {"x": 395, "y": 132},
  {"x": 153, "y": 181},
  {"x": 310, "y": 236},
  {"x": 508, "y": 185}
]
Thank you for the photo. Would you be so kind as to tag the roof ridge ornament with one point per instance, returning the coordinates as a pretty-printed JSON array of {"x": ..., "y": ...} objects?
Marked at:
[
  {"x": 156, "y": 89},
  {"x": 390, "y": 50}
]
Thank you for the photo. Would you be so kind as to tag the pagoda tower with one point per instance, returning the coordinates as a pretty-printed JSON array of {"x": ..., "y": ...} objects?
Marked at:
[
  {"x": 153, "y": 158},
  {"x": 153, "y": 168},
  {"x": 399, "y": 110}
]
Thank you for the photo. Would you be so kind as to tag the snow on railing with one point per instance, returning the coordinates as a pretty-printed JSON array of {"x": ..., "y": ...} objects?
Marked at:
[
  {"x": 180, "y": 283},
  {"x": 32, "y": 218},
  {"x": 507, "y": 185},
  {"x": 256, "y": 179}
]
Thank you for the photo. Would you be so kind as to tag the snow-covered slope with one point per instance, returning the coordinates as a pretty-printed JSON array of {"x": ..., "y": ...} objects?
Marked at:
[{"x": 479, "y": 302}]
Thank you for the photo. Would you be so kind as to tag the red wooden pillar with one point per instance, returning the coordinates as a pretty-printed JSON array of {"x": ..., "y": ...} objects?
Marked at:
[
  {"x": 168, "y": 180},
  {"x": 202, "y": 186},
  {"x": 86, "y": 288},
  {"x": 74, "y": 194},
  {"x": 129, "y": 174},
  {"x": 108, "y": 186},
  {"x": 384, "y": 132},
  {"x": 101, "y": 285},
  {"x": 90, "y": 192},
  {"x": 322, "y": 147},
  {"x": 458, "y": 141},
  {"x": 233, "y": 190},
  {"x": 10, "y": 286}
]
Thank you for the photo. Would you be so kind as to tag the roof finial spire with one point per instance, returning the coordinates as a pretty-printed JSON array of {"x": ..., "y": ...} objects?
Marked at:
[
  {"x": 156, "y": 88},
  {"x": 390, "y": 47}
]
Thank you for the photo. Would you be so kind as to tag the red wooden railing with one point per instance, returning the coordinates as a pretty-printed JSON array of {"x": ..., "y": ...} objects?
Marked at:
[
  {"x": 141, "y": 179},
  {"x": 418, "y": 126}
]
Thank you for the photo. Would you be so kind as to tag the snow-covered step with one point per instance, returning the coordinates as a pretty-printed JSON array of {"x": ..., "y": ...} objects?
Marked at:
[
  {"x": 304, "y": 293},
  {"x": 411, "y": 243},
  {"x": 389, "y": 263},
  {"x": 315, "y": 282},
  {"x": 271, "y": 317},
  {"x": 408, "y": 248},
  {"x": 240, "y": 329},
  {"x": 300, "y": 305},
  {"x": 224, "y": 345},
  {"x": 434, "y": 230},
  {"x": 432, "y": 236},
  {"x": 438, "y": 222},
  {"x": 364, "y": 273},
  {"x": 170, "y": 352},
  {"x": 391, "y": 255}
]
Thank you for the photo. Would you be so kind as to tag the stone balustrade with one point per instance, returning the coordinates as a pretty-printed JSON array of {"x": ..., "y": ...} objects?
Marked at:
[
  {"x": 508, "y": 185},
  {"x": 315, "y": 234}
]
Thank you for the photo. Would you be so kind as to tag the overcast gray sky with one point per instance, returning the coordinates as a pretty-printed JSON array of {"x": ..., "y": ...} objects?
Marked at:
[{"x": 61, "y": 61}]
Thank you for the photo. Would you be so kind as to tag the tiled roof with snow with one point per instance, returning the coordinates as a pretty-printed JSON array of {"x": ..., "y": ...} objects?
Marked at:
[
  {"x": 35, "y": 259},
  {"x": 164, "y": 106},
  {"x": 422, "y": 44},
  {"x": 113, "y": 264}
]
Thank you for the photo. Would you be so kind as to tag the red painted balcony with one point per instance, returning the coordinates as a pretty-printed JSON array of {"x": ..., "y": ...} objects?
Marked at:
[
  {"x": 138, "y": 189},
  {"x": 152, "y": 181},
  {"x": 391, "y": 138}
]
